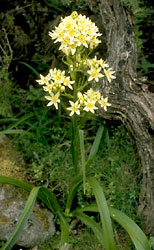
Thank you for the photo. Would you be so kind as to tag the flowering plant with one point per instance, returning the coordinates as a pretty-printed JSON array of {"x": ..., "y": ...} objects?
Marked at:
[{"x": 78, "y": 36}]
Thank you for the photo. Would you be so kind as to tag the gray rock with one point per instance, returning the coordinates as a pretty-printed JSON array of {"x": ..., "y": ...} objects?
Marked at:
[{"x": 39, "y": 226}]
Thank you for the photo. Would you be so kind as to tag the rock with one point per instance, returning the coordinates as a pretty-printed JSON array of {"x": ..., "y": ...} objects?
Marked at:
[
  {"x": 38, "y": 228},
  {"x": 40, "y": 225}
]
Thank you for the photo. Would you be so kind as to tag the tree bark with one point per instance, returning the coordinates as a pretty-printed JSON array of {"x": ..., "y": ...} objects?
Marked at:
[{"x": 132, "y": 101}]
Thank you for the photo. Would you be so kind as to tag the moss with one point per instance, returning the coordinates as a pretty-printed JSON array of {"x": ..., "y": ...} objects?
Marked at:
[
  {"x": 11, "y": 162},
  {"x": 5, "y": 221},
  {"x": 11, "y": 165},
  {"x": 41, "y": 217}
]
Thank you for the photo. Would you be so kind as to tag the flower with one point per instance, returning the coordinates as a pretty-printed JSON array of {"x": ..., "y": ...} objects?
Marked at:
[
  {"x": 82, "y": 40},
  {"x": 43, "y": 80},
  {"x": 75, "y": 108},
  {"x": 74, "y": 31},
  {"x": 103, "y": 63},
  {"x": 90, "y": 106},
  {"x": 57, "y": 75},
  {"x": 77, "y": 33},
  {"x": 104, "y": 103},
  {"x": 48, "y": 87},
  {"x": 93, "y": 62},
  {"x": 93, "y": 95},
  {"x": 54, "y": 100},
  {"x": 109, "y": 74},
  {"x": 94, "y": 74},
  {"x": 67, "y": 82},
  {"x": 80, "y": 97},
  {"x": 97, "y": 95}
]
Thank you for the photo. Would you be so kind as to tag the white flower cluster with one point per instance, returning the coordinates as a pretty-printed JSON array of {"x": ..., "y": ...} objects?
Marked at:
[
  {"x": 54, "y": 83},
  {"x": 75, "y": 30},
  {"x": 96, "y": 66},
  {"x": 88, "y": 102}
]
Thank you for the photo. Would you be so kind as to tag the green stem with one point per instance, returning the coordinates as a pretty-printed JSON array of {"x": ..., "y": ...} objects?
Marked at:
[
  {"x": 74, "y": 76},
  {"x": 75, "y": 143},
  {"x": 67, "y": 96},
  {"x": 82, "y": 87},
  {"x": 75, "y": 130},
  {"x": 83, "y": 161}
]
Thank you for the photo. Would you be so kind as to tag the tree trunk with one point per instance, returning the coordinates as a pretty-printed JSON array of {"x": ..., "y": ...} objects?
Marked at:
[{"x": 132, "y": 101}]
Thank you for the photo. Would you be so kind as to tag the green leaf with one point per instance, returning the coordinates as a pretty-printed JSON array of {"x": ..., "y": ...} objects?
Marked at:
[
  {"x": 20, "y": 120},
  {"x": 30, "y": 67},
  {"x": 104, "y": 214},
  {"x": 92, "y": 224},
  {"x": 89, "y": 208},
  {"x": 15, "y": 131},
  {"x": 49, "y": 198},
  {"x": 22, "y": 220},
  {"x": 81, "y": 136},
  {"x": 44, "y": 194},
  {"x": 138, "y": 237},
  {"x": 64, "y": 229},
  {"x": 15, "y": 182},
  {"x": 95, "y": 146},
  {"x": 72, "y": 191},
  {"x": 11, "y": 130}
]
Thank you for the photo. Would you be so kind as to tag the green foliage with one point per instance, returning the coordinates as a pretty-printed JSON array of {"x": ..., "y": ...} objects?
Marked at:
[
  {"x": 105, "y": 235},
  {"x": 93, "y": 225},
  {"x": 45, "y": 157},
  {"x": 142, "y": 16},
  {"x": 138, "y": 237},
  {"x": 151, "y": 242},
  {"x": 119, "y": 171},
  {"x": 136, "y": 234},
  {"x": 145, "y": 65},
  {"x": 6, "y": 86},
  {"x": 103, "y": 209},
  {"x": 71, "y": 4},
  {"x": 42, "y": 137}
]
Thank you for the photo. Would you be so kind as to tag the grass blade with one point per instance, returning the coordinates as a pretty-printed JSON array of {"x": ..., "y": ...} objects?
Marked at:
[
  {"x": 92, "y": 224},
  {"x": 15, "y": 131},
  {"x": 138, "y": 237},
  {"x": 49, "y": 199},
  {"x": 64, "y": 229},
  {"x": 22, "y": 220},
  {"x": 136, "y": 234},
  {"x": 30, "y": 67},
  {"x": 72, "y": 191},
  {"x": 15, "y": 182},
  {"x": 95, "y": 145},
  {"x": 20, "y": 120},
  {"x": 104, "y": 214},
  {"x": 81, "y": 136}
]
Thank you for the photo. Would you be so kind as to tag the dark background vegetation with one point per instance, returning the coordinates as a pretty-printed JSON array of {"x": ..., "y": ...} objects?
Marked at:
[{"x": 26, "y": 51}]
